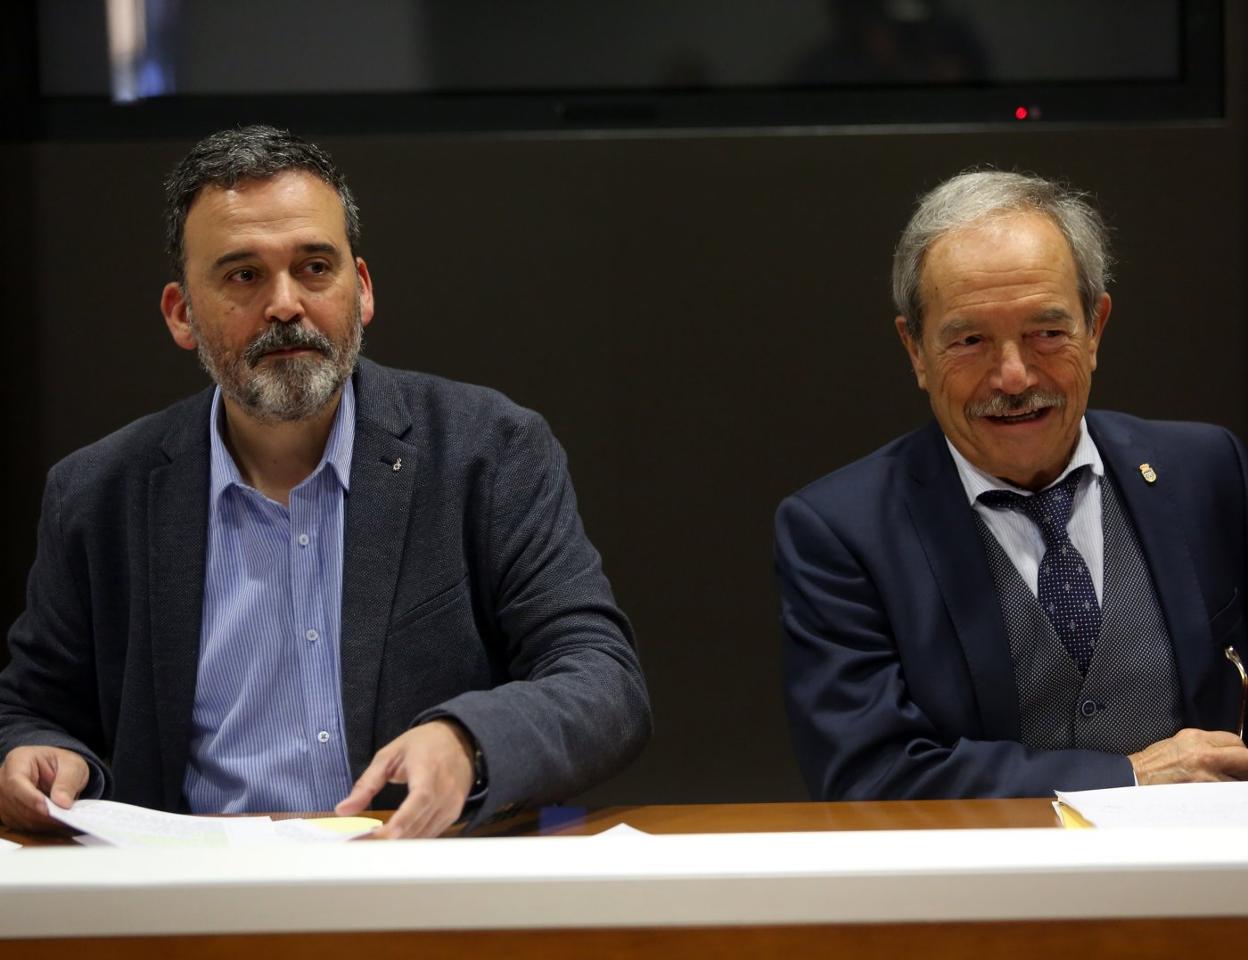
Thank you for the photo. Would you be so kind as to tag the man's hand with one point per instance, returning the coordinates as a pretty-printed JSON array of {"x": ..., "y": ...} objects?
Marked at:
[
  {"x": 435, "y": 761},
  {"x": 31, "y": 774},
  {"x": 1192, "y": 756}
]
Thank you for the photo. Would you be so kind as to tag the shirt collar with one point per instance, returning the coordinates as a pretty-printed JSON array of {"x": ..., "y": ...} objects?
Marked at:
[
  {"x": 976, "y": 481},
  {"x": 337, "y": 453}
]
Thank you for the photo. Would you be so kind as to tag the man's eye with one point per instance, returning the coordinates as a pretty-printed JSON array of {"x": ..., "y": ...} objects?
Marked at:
[
  {"x": 969, "y": 341},
  {"x": 244, "y": 275},
  {"x": 317, "y": 268}
]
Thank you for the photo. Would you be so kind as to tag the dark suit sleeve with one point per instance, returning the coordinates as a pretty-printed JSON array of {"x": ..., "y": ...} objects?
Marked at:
[
  {"x": 47, "y": 692},
  {"x": 575, "y": 709},
  {"x": 858, "y": 733}
]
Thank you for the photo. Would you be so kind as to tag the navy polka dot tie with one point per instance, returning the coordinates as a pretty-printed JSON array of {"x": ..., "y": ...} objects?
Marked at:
[{"x": 1065, "y": 590}]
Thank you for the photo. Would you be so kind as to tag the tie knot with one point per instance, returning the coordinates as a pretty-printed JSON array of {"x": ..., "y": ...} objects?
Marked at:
[{"x": 1049, "y": 509}]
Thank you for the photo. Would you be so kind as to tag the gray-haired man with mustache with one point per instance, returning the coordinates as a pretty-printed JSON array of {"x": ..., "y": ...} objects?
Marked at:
[
  {"x": 321, "y": 584},
  {"x": 1024, "y": 595}
]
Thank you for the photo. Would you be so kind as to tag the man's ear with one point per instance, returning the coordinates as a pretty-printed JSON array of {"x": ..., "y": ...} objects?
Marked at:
[
  {"x": 364, "y": 284},
  {"x": 1103, "y": 306},
  {"x": 914, "y": 352},
  {"x": 175, "y": 307}
]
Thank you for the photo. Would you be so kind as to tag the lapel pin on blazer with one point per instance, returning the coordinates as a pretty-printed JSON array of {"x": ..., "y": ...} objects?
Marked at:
[
  {"x": 1146, "y": 471},
  {"x": 398, "y": 464}
]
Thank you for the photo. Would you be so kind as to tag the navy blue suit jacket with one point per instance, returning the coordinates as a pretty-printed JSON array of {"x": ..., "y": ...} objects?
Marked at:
[
  {"x": 898, "y": 675},
  {"x": 470, "y": 590}
]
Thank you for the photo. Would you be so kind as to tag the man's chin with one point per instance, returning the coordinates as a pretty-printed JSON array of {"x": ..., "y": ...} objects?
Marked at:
[
  {"x": 278, "y": 402},
  {"x": 293, "y": 412},
  {"x": 1026, "y": 462}
]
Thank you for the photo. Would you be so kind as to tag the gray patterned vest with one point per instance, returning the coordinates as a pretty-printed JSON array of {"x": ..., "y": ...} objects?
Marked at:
[{"x": 1130, "y": 696}]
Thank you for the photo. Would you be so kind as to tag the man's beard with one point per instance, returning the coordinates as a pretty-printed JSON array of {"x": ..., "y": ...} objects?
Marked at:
[{"x": 284, "y": 389}]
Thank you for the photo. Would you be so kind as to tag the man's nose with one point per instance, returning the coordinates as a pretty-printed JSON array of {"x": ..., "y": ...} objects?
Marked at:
[
  {"x": 285, "y": 301},
  {"x": 1012, "y": 373}
]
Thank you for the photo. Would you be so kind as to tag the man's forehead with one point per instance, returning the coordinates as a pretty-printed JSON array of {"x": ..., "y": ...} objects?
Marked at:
[
  {"x": 290, "y": 201},
  {"x": 1001, "y": 242},
  {"x": 293, "y": 189},
  {"x": 1016, "y": 249}
]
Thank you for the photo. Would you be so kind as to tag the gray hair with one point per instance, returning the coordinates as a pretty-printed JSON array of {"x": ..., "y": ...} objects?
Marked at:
[
  {"x": 257, "y": 152},
  {"x": 980, "y": 195}
]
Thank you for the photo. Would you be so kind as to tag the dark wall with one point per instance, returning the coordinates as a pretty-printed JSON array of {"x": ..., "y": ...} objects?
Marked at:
[{"x": 704, "y": 320}]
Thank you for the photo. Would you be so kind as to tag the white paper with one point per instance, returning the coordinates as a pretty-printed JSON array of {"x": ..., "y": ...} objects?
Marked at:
[
  {"x": 106, "y": 822},
  {"x": 621, "y": 831},
  {"x": 1163, "y": 805},
  {"x": 7, "y": 845},
  {"x": 125, "y": 825},
  {"x": 86, "y": 840}
]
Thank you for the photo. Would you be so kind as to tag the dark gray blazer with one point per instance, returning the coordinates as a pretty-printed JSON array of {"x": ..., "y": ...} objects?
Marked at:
[{"x": 469, "y": 590}]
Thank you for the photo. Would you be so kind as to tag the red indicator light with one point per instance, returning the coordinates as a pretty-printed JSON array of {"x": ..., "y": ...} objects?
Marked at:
[{"x": 1020, "y": 113}]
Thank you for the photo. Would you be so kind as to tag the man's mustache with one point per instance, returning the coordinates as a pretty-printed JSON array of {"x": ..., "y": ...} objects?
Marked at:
[
  {"x": 1016, "y": 404},
  {"x": 286, "y": 336}
]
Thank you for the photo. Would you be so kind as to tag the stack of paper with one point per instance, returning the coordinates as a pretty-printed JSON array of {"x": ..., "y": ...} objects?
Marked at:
[
  {"x": 108, "y": 823},
  {"x": 1161, "y": 805}
]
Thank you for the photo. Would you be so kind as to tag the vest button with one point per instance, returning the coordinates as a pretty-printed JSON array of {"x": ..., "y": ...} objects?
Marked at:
[{"x": 1088, "y": 708}]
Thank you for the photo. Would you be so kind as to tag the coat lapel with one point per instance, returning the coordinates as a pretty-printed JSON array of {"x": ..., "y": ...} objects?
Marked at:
[
  {"x": 177, "y": 512},
  {"x": 1153, "y": 512},
  {"x": 378, "y": 506},
  {"x": 944, "y": 521}
]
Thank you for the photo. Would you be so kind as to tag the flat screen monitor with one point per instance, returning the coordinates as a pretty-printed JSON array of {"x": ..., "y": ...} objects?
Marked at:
[{"x": 118, "y": 65}]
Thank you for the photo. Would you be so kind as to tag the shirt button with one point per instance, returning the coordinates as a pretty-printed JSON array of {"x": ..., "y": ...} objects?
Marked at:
[
  {"x": 323, "y": 736},
  {"x": 312, "y": 635},
  {"x": 304, "y": 539}
]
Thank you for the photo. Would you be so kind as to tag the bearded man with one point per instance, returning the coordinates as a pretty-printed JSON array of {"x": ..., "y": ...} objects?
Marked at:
[
  {"x": 1024, "y": 595},
  {"x": 320, "y": 577}
]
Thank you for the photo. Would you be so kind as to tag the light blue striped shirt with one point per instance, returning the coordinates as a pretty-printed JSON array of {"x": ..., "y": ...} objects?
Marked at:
[
  {"x": 266, "y": 727},
  {"x": 1020, "y": 538}
]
